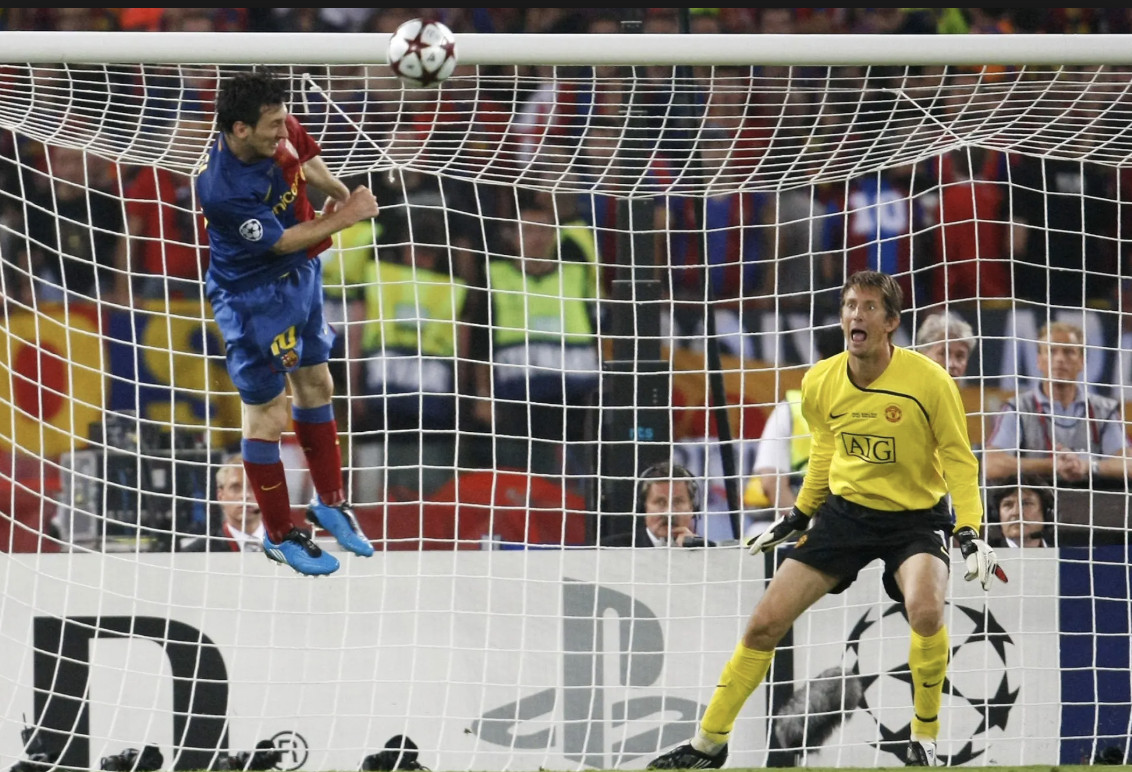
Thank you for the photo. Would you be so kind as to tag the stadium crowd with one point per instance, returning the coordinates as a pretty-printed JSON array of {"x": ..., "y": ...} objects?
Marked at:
[
  {"x": 567, "y": 20},
  {"x": 766, "y": 252}
]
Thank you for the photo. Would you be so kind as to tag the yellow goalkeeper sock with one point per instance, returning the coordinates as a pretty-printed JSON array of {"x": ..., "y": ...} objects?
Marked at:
[
  {"x": 927, "y": 659},
  {"x": 741, "y": 675}
]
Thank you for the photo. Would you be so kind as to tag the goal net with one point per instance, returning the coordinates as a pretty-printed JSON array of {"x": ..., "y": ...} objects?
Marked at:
[{"x": 591, "y": 256}]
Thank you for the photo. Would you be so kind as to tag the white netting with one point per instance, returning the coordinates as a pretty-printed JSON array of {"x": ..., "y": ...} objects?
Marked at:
[
  {"x": 571, "y": 129},
  {"x": 690, "y": 211}
]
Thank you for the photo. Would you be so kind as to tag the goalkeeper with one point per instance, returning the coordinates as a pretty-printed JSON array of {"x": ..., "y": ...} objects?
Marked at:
[
  {"x": 889, "y": 443},
  {"x": 264, "y": 284}
]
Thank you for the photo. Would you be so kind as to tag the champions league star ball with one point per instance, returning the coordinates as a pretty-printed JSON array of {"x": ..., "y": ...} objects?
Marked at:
[{"x": 422, "y": 53}]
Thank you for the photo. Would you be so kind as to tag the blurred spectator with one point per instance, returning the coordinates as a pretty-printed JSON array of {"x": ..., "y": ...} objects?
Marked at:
[
  {"x": 783, "y": 451},
  {"x": 1058, "y": 430},
  {"x": 404, "y": 411},
  {"x": 543, "y": 358},
  {"x": 777, "y": 21},
  {"x": 345, "y": 19},
  {"x": 877, "y": 21},
  {"x": 240, "y": 528},
  {"x": 719, "y": 241},
  {"x": 166, "y": 253},
  {"x": 989, "y": 21},
  {"x": 600, "y": 209},
  {"x": 84, "y": 19},
  {"x": 697, "y": 447},
  {"x": 345, "y": 271},
  {"x": 1064, "y": 252},
  {"x": 320, "y": 19},
  {"x": 666, "y": 508},
  {"x": 972, "y": 241},
  {"x": 948, "y": 339},
  {"x": 74, "y": 226},
  {"x": 140, "y": 19},
  {"x": 1021, "y": 514},
  {"x": 880, "y": 219},
  {"x": 802, "y": 260},
  {"x": 705, "y": 21},
  {"x": 952, "y": 21}
]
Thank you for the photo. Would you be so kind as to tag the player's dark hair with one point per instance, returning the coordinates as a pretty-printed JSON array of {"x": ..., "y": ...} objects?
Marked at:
[
  {"x": 666, "y": 472},
  {"x": 889, "y": 289},
  {"x": 243, "y": 97}
]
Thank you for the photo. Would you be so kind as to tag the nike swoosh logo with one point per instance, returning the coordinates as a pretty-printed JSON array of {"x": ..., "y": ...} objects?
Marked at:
[
  {"x": 833, "y": 417},
  {"x": 270, "y": 487},
  {"x": 932, "y": 686}
]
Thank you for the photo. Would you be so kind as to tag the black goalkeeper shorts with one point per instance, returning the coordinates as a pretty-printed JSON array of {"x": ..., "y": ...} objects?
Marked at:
[{"x": 845, "y": 537}]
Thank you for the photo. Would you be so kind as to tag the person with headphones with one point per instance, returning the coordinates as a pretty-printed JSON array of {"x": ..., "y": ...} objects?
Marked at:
[
  {"x": 1021, "y": 514},
  {"x": 667, "y": 502}
]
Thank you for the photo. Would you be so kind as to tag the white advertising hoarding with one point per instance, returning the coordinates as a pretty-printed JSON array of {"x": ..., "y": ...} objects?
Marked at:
[{"x": 489, "y": 660}]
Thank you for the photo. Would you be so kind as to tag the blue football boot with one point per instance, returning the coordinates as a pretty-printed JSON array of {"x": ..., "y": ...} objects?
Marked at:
[
  {"x": 341, "y": 524},
  {"x": 300, "y": 553}
]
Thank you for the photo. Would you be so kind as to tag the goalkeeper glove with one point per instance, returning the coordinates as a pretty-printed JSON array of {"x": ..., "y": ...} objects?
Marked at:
[
  {"x": 981, "y": 560},
  {"x": 785, "y": 527}
]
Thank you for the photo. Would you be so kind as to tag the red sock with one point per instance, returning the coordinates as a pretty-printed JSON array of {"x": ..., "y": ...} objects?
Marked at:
[
  {"x": 269, "y": 485},
  {"x": 319, "y": 442}
]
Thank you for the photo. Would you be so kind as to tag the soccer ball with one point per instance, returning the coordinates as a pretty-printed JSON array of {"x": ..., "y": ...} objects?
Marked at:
[{"x": 422, "y": 52}]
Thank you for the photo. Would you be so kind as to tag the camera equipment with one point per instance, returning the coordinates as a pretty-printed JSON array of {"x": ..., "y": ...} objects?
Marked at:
[
  {"x": 265, "y": 756},
  {"x": 400, "y": 753},
  {"x": 39, "y": 759},
  {"x": 148, "y": 759}
]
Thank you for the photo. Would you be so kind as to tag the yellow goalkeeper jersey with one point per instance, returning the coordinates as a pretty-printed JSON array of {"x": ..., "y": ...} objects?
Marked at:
[{"x": 899, "y": 444}]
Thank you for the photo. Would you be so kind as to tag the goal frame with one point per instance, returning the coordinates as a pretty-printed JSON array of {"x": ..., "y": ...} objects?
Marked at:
[
  {"x": 299, "y": 49},
  {"x": 562, "y": 49}
]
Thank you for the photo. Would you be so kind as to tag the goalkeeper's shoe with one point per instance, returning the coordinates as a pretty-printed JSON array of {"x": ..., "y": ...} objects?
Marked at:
[
  {"x": 300, "y": 553},
  {"x": 686, "y": 757},
  {"x": 341, "y": 524},
  {"x": 921, "y": 753}
]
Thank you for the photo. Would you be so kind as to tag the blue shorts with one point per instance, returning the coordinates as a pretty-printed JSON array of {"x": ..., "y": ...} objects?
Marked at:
[{"x": 272, "y": 330}]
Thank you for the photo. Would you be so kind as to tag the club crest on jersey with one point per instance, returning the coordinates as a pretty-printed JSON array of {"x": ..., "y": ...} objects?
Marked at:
[
  {"x": 870, "y": 447},
  {"x": 893, "y": 414},
  {"x": 289, "y": 359},
  {"x": 251, "y": 230}
]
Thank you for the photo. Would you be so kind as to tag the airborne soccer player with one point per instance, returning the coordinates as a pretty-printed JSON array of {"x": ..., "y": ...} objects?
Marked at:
[
  {"x": 889, "y": 443},
  {"x": 264, "y": 283}
]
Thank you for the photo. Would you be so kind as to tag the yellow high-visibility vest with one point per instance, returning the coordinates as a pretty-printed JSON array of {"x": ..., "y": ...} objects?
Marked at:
[{"x": 412, "y": 309}]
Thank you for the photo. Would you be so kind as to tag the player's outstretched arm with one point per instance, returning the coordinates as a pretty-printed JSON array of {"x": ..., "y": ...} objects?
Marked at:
[{"x": 981, "y": 560}]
